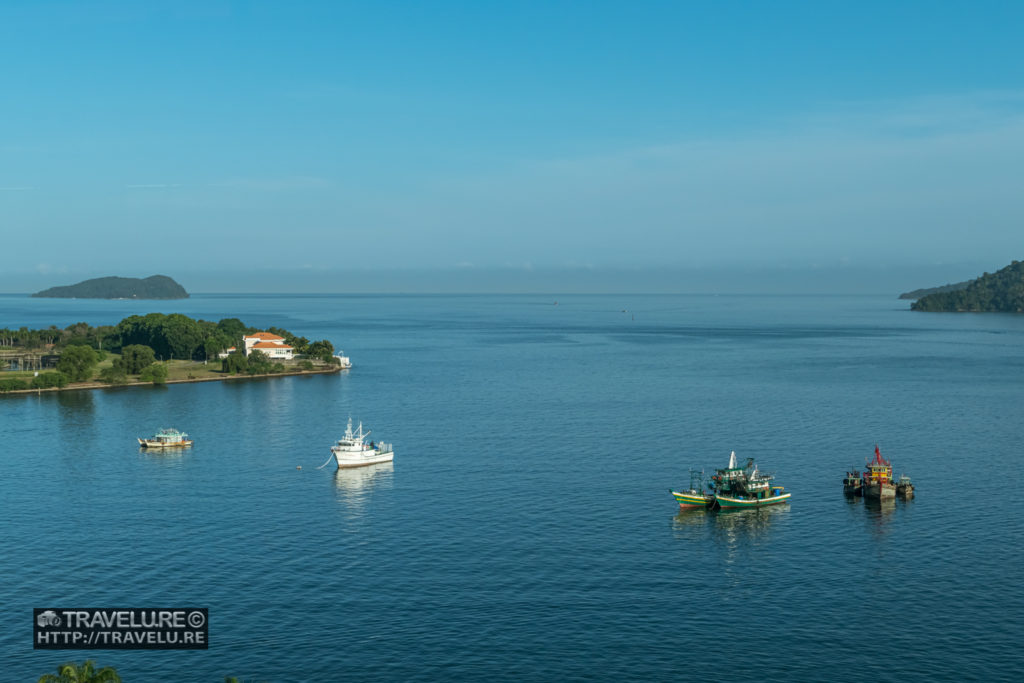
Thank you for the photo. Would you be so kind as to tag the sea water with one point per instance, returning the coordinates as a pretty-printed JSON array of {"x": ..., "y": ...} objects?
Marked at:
[{"x": 525, "y": 530}]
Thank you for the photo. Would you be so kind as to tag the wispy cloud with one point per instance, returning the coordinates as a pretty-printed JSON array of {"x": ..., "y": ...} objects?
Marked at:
[{"x": 152, "y": 186}]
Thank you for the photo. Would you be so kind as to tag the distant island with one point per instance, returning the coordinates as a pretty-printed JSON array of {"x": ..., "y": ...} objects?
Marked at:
[
  {"x": 919, "y": 293},
  {"x": 998, "y": 292},
  {"x": 154, "y": 287}
]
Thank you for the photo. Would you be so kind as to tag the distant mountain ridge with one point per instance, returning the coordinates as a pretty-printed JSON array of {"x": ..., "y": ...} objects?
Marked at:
[
  {"x": 998, "y": 292},
  {"x": 153, "y": 287}
]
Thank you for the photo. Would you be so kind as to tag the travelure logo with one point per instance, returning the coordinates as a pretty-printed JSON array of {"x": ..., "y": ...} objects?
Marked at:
[
  {"x": 121, "y": 629},
  {"x": 48, "y": 618}
]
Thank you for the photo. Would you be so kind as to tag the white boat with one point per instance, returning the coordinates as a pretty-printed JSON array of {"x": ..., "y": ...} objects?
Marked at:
[
  {"x": 351, "y": 450},
  {"x": 344, "y": 361},
  {"x": 166, "y": 438}
]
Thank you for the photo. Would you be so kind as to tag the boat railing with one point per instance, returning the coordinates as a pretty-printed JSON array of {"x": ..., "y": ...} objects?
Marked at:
[{"x": 383, "y": 447}]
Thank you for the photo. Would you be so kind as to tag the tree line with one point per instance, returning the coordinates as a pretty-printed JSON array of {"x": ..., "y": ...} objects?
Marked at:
[
  {"x": 170, "y": 336},
  {"x": 1002, "y": 291},
  {"x": 79, "y": 333}
]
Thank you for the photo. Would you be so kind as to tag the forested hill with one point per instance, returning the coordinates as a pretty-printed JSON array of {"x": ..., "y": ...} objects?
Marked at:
[
  {"x": 154, "y": 287},
  {"x": 918, "y": 293},
  {"x": 1002, "y": 291}
]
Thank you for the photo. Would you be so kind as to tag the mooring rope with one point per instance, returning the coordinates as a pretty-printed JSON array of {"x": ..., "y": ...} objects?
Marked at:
[{"x": 328, "y": 460}]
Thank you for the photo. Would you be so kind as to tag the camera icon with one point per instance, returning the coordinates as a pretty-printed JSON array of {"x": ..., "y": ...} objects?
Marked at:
[{"x": 48, "y": 618}]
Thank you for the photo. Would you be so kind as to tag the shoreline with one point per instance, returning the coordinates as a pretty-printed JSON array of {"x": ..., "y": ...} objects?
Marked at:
[{"x": 79, "y": 386}]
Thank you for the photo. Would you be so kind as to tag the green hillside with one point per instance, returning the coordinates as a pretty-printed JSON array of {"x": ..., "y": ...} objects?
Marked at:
[
  {"x": 154, "y": 287},
  {"x": 1002, "y": 291}
]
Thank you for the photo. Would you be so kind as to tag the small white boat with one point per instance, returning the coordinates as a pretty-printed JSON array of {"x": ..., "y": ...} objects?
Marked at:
[
  {"x": 166, "y": 438},
  {"x": 351, "y": 450},
  {"x": 344, "y": 361}
]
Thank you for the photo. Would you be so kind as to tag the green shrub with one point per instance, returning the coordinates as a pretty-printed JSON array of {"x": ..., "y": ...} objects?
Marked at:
[
  {"x": 47, "y": 380},
  {"x": 259, "y": 363},
  {"x": 12, "y": 384},
  {"x": 306, "y": 365},
  {"x": 155, "y": 373},
  {"x": 235, "y": 362},
  {"x": 73, "y": 671},
  {"x": 114, "y": 374}
]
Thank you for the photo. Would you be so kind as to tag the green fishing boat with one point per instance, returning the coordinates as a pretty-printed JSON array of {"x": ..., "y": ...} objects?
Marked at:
[
  {"x": 731, "y": 488},
  {"x": 776, "y": 497},
  {"x": 694, "y": 497},
  {"x": 737, "y": 488}
]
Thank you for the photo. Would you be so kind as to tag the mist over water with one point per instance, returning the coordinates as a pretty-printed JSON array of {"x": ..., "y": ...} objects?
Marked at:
[{"x": 525, "y": 529}]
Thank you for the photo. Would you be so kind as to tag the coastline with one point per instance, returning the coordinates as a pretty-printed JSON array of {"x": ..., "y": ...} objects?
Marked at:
[{"x": 102, "y": 385}]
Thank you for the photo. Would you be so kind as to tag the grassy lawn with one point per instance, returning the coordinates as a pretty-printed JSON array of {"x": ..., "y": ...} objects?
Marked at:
[
  {"x": 22, "y": 374},
  {"x": 193, "y": 369}
]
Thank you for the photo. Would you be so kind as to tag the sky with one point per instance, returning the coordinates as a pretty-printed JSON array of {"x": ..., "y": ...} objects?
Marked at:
[{"x": 344, "y": 144}]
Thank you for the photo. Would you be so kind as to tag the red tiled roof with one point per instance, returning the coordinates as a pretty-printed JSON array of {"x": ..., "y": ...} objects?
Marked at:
[
  {"x": 265, "y": 336},
  {"x": 270, "y": 345}
]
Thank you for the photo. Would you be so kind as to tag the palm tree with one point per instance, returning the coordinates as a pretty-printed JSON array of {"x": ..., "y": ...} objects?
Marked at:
[{"x": 86, "y": 673}]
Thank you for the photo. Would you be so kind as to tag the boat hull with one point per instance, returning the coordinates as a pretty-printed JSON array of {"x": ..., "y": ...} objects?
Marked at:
[
  {"x": 363, "y": 459},
  {"x": 879, "y": 491},
  {"x": 145, "y": 443},
  {"x": 692, "y": 501},
  {"x": 727, "y": 503}
]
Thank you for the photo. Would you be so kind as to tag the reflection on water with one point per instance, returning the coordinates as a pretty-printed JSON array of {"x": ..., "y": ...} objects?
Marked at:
[
  {"x": 77, "y": 408},
  {"x": 75, "y": 401},
  {"x": 879, "y": 514},
  {"x": 740, "y": 533},
  {"x": 688, "y": 520},
  {"x": 356, "y": 484},
  {"x": 164, "y": 456},
  {"x": 77, "y": 422},
  {"x": 739, "y": 525},
  {"x": 730, "y": 525},
  {"x": 732, "y": 538}
]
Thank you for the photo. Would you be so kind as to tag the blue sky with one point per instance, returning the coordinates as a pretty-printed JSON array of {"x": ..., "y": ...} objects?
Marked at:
[{"x": 312, "y": 137}]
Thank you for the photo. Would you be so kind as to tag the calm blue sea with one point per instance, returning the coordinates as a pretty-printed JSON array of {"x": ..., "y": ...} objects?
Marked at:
[{"x": 525, "y": 530}]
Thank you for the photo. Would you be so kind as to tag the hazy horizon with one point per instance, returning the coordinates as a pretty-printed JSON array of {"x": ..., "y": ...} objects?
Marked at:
[
  {"x": 564, "y": 139},
  {"x": 838, "y": 279}
]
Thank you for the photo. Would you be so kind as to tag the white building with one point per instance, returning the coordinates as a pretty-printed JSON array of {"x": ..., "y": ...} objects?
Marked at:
[{"x": 270, "y": 344}]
